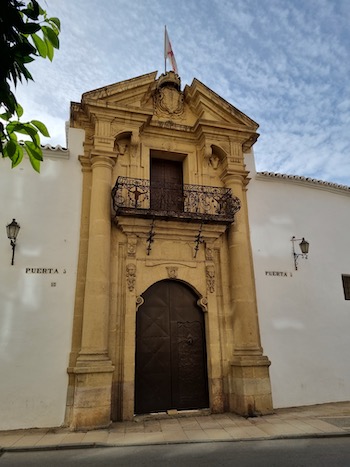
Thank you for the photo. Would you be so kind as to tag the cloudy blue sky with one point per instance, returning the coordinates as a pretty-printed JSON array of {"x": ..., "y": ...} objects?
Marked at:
[{"x": 284, "y": 63}]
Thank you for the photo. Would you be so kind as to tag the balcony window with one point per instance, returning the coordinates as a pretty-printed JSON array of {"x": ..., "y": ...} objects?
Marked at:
[{"x": 166, "y": 185}]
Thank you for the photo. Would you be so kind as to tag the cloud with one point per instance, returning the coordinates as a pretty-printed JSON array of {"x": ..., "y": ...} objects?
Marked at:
[{"x": 284, "y": 64}]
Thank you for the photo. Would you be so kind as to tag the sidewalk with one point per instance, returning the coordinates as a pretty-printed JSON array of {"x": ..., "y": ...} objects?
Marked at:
[{"x": 300, "y": 422}]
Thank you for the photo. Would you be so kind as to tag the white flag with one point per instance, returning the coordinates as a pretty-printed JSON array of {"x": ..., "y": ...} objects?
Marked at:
[{"x": 168, "y": 52}]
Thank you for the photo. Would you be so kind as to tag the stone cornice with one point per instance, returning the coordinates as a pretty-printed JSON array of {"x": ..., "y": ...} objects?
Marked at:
[
  {"x": 306, "y": 181},
  {"x": 122, "y": 86},
  {"x": 115, "y": 112},
  {"x": 168, "y": 229},
  {"x": 242, "y": 134}
]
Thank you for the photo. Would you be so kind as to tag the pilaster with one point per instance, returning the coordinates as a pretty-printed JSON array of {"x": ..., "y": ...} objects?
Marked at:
[
  {"x": 250, "y": 389},
  {"x": 93, "y": 369}
]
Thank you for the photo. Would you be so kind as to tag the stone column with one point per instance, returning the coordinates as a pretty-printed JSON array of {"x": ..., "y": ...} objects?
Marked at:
[
  {"x": 250, "y": 389},
  {"x": 93, "y": 370}
]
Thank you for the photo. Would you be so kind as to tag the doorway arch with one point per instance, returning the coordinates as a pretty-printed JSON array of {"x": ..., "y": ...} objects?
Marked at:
[{"x": 171, "y": 361}]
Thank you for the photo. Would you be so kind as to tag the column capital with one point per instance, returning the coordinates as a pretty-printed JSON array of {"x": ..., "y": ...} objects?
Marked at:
[{"x": 233, "y": 177}]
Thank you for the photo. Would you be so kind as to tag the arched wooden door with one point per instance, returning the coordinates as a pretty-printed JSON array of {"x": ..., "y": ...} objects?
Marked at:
[{"x": 171, "y": 364}]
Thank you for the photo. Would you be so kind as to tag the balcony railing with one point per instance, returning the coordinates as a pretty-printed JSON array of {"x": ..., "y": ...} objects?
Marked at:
[{"x": 137, "y": 197}]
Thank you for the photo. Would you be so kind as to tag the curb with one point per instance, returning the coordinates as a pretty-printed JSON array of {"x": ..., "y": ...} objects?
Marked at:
[{"x": 67, "y": 446}]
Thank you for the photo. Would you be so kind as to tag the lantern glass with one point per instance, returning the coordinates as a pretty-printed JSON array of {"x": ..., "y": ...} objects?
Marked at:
[
  {"x": 12, "y": 230},
  {"x": 304, "y": 246}
]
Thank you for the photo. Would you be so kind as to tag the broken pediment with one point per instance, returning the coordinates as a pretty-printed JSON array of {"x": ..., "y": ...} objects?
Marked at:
[
  {"x": 150, "y": 102},
  {"x": 164, "y": 96}
]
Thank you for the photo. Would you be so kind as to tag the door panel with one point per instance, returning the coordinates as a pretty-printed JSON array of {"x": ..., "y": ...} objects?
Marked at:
[
  {"x": 166, "y": 185},
  {"x": 171, "y": 371},
  {"x": 153, "y": 374},
  {"x": 191, "y": 378}
]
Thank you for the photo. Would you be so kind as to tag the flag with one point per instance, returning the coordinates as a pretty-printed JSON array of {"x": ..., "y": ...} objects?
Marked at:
[{"x": 168, "y": 52}]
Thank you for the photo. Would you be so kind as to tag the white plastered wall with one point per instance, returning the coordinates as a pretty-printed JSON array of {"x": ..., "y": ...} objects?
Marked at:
[
  {"x": 36, "y": 308},
  {"x": 304, "y": 318}
]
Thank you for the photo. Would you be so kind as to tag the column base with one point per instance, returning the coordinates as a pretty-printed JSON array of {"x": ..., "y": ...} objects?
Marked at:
[
  {"x": 91, "y": 406},
  {"x": 250, "y": 387}
]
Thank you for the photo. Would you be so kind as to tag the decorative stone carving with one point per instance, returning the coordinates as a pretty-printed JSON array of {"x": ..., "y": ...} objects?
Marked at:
[
  {"x": 172, "y": 272},
  {"x": 168, "y": 101},
  {"x": 135, "y": 144},
  {"x": 121, "y": 147},
  {"x": 207, "y": 152},
  {"x": 131, "y": 276},
  {"x": 131, "y": 247},
  {"x": 210, "y": 274},
  {"x": 203, "y": 303},
  {"x": 214, "y": 161},
  {"x": 209, "y": 253},
  {"x": 139, "y": 302}
]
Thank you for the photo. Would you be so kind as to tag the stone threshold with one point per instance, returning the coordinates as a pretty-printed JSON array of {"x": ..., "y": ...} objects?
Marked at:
[{"x": 170, "y": 414}]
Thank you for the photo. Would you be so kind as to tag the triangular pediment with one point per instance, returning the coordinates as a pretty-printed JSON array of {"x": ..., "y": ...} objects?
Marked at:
[
  {"x": 199, "y": 109},
  {"x": 203, "y": 103},
  {"x": 210, "y": 107}
]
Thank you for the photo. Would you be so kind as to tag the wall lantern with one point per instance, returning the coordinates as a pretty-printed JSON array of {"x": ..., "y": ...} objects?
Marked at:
[
  {"x": 12, "y": 232},
  {"x": 304, "y": 248}
]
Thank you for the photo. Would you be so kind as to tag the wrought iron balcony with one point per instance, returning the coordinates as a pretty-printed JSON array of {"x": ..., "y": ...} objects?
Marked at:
[{"x": 142, "y": 198}]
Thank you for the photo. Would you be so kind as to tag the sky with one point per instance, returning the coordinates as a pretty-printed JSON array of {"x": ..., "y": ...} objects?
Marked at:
[{"x": 284, "y": 63}]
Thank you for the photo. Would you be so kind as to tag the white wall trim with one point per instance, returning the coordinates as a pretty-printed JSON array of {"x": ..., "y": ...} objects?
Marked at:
[{"x": 305, "y": 181}]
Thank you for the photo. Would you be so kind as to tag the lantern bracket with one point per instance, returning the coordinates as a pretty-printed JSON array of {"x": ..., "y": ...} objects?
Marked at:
[{"x": 304, "y": 248}]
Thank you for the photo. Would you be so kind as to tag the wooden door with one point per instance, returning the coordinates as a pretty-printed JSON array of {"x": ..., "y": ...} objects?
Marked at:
[
  {"x": 166, "y": 185},
  {"x": 171, "y": 368}
]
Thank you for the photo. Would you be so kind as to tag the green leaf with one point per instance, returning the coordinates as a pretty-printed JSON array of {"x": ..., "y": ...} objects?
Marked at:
[
  {"x": 30, "y": 13},
  {"x": 18, "y": 157},
  {"x": 36, "y": 139},
  {"x": 23, "y": 128},
  {"x": 50, "y": 34},
  {"x": 33, "y": 150},
  {"x": 22, "y": 70},
  {"x": 19, "y": 110},
  {"x": 35, "y": 164},
  {"x": 23, "y": 48},
  {"x": 40, "y": 45},
  {"x": 13, "y": 136},
  {"x": 27, "y": 59},
  {"x": 30, "y": 28},
  {"x": 34, "y": 7},
  {"x": 35, "y": 155},
  {"x": 50, "y": 50},
  {"x": 11, "y": 126},
  {"x": 56, "y": 21},
  {"x": 41, "y": 127},
  {"x": 6, "y": 116},
  {"x": 10, "y": 149}
]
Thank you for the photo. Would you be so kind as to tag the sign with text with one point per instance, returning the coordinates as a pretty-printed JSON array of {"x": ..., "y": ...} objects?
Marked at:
[
  {"x": 45, "y": 271},
  {"x": 278, "y": 273}
]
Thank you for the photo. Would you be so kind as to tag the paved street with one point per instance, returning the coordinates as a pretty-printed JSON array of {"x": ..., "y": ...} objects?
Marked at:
[
  {"x": 310, "y": 421},
  {"x": 309, "y": 436},
  {"x": 334, "y": 452}
]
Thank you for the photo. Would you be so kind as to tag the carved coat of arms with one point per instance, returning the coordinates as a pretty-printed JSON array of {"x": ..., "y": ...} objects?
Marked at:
[{"x": 169, "y": 101}]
